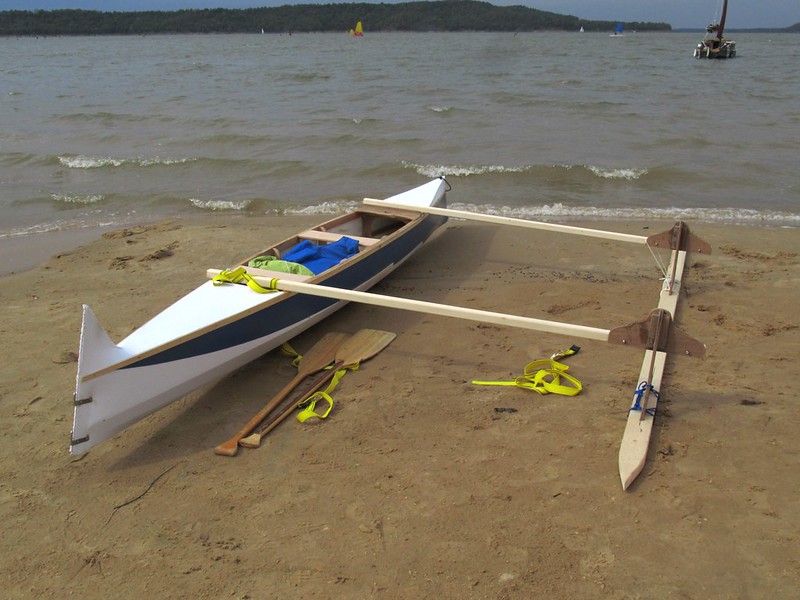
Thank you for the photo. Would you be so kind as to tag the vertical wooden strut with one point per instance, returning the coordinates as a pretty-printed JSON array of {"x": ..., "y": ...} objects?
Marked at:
[
  {"x": 659, "y": 334},
  {"x": 677, "y": 242}
]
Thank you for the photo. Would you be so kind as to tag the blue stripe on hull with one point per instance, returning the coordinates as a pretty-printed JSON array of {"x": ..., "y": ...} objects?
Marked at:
[{"x": 298, "y": 307}]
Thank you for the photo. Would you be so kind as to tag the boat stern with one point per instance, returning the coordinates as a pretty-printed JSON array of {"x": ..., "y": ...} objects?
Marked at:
[{"x": 96, "y": 352}]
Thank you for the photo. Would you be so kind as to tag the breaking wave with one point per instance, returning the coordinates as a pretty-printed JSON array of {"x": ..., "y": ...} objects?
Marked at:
[
  {"x": 78, "y": 198},
  {"x": 430, "y": 170},
  {"x": 708, "y": 215},
  {"x": 629, "y": 174},
  {"x": 215, "y": 205},
  {"x": 97, "y": 162},
  {"x": 461, "y": 170}
]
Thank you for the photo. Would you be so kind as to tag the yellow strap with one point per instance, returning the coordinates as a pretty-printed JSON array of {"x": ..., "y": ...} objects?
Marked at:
[
  {"x": 568, "y": 352},
  {"x": 287, "y": 349},
  {"x": 543, "y": 377},
  {"x": 308, "y": 411},
  {"x": 309, "y": 404},
  {"x": 239, "y": 275}
]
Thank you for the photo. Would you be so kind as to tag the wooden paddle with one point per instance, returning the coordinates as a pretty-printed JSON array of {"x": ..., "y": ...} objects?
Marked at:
[
  {"x": 321, "y": 354},
  {"x": 362, "y": 346}
]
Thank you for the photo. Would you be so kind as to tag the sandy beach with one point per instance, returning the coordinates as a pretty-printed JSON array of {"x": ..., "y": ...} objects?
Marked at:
[{"x": 420, "y": 484}]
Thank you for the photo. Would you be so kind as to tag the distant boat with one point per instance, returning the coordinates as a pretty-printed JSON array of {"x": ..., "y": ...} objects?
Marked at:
[
  {"x": 714, "y": 45},
  {"x": 581, "y": 28},
  {"x": 618, "y": 31},
  {"x": 358, "y": 31}
]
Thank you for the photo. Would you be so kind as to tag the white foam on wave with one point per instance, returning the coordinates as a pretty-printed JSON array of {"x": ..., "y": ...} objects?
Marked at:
[
  {"x": 324, "y": 208},
  {"x": 89, "y": 162},
  {"x": 461, "y": 170},
  {"x": 440, "y": 109},
  {"x": 78, "y": 198},
  {"x": 629, "y": 174},
  {"x": 709, "y": 215},
  {"x": 97, "y": 162},
  {"x": 467, "y": 170},
  {"x": 220, "y": 204}
]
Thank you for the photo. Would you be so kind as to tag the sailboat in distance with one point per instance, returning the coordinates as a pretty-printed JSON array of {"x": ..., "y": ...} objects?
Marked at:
[
  {"x": 618, "y": 31},
  {"x": 714, "y": 45},
  {"x": 358, "y": 31}
]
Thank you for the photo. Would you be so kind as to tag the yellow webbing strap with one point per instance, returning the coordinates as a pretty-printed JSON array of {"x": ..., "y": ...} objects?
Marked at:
[
  {"x": 309, "y": 404},
  {"x": 544, "y": 376},
  {"x": 240, "y": 275},
  {"x": 287, "y": 349}
]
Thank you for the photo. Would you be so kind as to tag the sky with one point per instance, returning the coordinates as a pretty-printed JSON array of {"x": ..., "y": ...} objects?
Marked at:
[{"x": 678, "y": 13}]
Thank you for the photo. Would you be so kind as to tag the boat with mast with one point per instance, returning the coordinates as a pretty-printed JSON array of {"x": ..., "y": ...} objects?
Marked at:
[{"x": 714, "y": 44}]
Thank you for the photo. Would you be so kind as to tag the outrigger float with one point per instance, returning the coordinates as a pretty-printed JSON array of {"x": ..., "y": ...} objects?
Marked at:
[{"x": 221, "y": 326}]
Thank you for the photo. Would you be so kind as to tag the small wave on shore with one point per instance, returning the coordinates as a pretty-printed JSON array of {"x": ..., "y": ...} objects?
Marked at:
[
  {"x": 431, "y": 170},
  {"x": 96, "y": 162}
]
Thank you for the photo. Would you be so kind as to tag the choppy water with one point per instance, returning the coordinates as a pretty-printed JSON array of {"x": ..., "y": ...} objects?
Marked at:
[{"x": 554, "y": 125}]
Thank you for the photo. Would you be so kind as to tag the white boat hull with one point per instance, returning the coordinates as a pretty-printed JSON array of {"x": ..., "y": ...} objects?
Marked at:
[{"x": 211, "y": 332}]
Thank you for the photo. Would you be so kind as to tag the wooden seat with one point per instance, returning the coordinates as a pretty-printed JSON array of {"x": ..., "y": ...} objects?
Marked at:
[{"x": 327, "y": 236}]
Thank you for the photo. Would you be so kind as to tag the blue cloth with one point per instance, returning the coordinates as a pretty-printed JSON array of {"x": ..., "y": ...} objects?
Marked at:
[{"x": 319, "y": 258}]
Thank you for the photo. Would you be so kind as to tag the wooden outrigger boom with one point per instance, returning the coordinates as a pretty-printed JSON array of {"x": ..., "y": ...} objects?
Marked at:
[
  {"x": 677, "y": 237},
  {"x": 498, "y": 220},
  {"x": 656, "y": 334},
  {"x": 635, "y": 335}
]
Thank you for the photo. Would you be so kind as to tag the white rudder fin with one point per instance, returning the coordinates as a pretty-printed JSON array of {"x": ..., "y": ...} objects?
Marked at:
[{"x": 96, "y": 350}]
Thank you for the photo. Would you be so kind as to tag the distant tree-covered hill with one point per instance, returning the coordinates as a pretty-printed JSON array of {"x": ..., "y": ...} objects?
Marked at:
[{"x": 445, "y": 15}]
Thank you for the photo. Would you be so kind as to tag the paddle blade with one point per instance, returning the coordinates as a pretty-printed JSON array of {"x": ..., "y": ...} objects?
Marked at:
[
  {"x": 321, "y": 354},
  {"x": 363, "y": 345},
  {"x": 229, "y": 448},
  {"x": 251, "y": 441}
]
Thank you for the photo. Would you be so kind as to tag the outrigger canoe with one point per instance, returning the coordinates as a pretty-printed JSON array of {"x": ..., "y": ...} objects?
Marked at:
[
  {"x": 215, "y": 329},
  {"x": 219, "y": 327}
]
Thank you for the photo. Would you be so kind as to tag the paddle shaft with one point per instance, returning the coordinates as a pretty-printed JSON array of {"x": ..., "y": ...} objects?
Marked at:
[
  {"x": 230, "y": 447},
  {"x": 254, "y": 440},
  {"x": 362, "y": 346},
  {"x": 316, "y": 359}
]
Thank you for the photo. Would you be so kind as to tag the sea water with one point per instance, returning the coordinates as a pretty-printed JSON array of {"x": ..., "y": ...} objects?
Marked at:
[{"x": 113, "y": 130}]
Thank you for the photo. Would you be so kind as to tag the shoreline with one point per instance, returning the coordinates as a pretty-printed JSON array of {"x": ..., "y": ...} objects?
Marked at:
[{"x": 24, "y": 252}]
